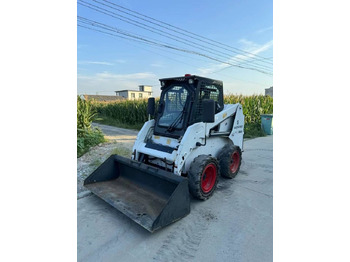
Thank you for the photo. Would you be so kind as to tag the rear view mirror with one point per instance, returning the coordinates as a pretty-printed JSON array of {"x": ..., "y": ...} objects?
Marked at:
[
  {"x": 208, "y": 113},
  {"x": 151, "y": 106}
]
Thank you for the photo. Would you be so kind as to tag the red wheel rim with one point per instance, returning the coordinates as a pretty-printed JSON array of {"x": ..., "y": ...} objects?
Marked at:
[
  {"x": 235, "y": 162},
  {"x": 208, "y": 178}
]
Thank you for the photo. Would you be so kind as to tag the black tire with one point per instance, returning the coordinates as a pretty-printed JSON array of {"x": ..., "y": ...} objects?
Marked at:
[
  {"x": 230, "y": 159},
  {"x": 203, "y": 176}
]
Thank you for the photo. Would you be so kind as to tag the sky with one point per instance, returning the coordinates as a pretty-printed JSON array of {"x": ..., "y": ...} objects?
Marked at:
[{"x": 216, "y": 34}]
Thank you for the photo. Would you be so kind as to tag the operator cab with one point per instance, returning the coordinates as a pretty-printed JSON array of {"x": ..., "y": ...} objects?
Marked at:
[{"x": 180, "y": 103}]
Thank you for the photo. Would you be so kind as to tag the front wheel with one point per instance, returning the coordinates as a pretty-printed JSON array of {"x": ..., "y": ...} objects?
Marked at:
[{"x": 203, "y": 176}]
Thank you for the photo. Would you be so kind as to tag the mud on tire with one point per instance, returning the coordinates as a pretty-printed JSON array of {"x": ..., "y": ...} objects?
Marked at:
[
  {"x": 230, "y": 159},
  {"x": 203, "y": 176}
]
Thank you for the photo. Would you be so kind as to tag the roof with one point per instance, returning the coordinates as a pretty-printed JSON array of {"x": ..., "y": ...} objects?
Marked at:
[
  {"x": 133, "y": 91},
  {"x": 184, "y": 78},
  {"x": 103, "y": 98}
]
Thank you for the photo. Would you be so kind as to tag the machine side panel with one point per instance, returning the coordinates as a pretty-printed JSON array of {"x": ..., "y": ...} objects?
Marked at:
[
  {"x": 212, "y": 147},
  {"x": 145, "y": 132},
  {"x": 199, "y": 133},
  {"x": 238, "y": 128}
]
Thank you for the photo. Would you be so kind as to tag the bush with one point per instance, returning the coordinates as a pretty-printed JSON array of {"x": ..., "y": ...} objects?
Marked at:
[
  {"x": 253, "y": 130},
  {"x": 86, "y": 136},
  {"x": 89, "y": 138}
]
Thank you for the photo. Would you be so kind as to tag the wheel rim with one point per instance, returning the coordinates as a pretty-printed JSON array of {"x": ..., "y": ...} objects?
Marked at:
[
  {"x": 235, "y": 162},
  {"x": 208, "y": 178}
]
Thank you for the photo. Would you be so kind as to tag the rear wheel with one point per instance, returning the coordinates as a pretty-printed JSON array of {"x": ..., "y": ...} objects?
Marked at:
[
  {"x": 230, "y": 159},
  {"x": 203, "y": 176}
]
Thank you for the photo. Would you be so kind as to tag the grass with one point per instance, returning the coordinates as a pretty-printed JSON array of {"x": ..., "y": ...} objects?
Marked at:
[
  {"x": 252, "y": 130},
  {"x": 96, "y": 163},
  {"x": 87, "y": 139},
  {"x": 122, "y": 151},
  {"x": 106, "y": 120}
]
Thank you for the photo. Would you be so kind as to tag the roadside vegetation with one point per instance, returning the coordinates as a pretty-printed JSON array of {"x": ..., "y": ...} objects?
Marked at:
[
  {"x": 125, "y": 113},
  {"x": 253, "y": 107},
  {"x": 133, "y": 114},
  {"x": 87, "y": 136},
  {"x": 110, "y": 121},
  {"x": 122, "y": 151}
]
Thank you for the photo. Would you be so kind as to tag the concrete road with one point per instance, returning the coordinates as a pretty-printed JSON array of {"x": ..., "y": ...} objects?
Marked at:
[
  {"x": 234, "y": 225},
  {"x": 121, "y": 135}
]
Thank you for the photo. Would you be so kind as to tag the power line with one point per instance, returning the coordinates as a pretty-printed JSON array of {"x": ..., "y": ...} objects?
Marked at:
[
  {"x": 184, "y": 63},
  {"x": 93, "y": 7},
  {"x": 143, "y": 15},
  {"x": 141, "y": 39},
  {"x": 186, "y": 41},
  {"x": 93, "y": 29},
  {"x": 109, "y": 28},
  {"x": 224, "y": 68},
  {"x": 118, "y": 31}
]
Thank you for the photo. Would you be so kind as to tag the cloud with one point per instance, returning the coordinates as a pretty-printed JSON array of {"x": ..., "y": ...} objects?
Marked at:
[
  {"x": 253, "y": 48},
  {"x": 156, "y": 65},
  {"x": 124, "y": 77},
  {"x": 120, "y": 61},
  {"x": 107, "y": 81},
  {"x": 246, "y": 43},
  {"x": 248, "y": 46},
  {"x": 263, "y": 30},
  {"x": 95, "y": 63}
]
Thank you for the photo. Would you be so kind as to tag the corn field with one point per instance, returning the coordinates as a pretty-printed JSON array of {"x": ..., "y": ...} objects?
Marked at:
[
  {"x": 135, "y": 112},
  {"x": 253, "y": 106},
  {"x": 127, "y": 111}
]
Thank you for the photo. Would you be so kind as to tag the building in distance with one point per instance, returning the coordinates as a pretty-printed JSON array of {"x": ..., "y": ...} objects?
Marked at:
[
  {"x": 143, "y": 92},
  {"x": 102, "y": 98},
  {"x": 269, "y": 91}
]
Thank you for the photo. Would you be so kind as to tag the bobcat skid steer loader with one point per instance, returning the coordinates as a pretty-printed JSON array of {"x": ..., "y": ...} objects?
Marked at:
[{"x": 192, "y": 139}]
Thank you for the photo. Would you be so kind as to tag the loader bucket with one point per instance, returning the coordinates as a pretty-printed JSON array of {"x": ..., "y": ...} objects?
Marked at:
[{"x": 150, "y": 196}]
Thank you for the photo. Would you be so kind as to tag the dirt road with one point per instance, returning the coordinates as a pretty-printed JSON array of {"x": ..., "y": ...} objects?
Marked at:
[
  {"x": 234, "y": 225},
  {"x": 120, "y": 135}
]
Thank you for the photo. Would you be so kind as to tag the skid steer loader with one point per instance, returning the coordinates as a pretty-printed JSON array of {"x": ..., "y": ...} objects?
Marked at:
[{"x": 192, "y": 139}]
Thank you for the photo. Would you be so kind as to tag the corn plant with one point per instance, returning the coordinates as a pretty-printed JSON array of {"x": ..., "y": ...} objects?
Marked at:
[
  {"x": 86, "y": 136},
  {"x": 85, "y": 115},
  {"x": 127, "y": 111},
  {"x": 253, "y": 106}
]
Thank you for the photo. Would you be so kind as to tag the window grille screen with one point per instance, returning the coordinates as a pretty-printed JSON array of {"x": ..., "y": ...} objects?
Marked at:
[
  {"x": 176, "y": 98},
  {"x": 205, "y": 92}
]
